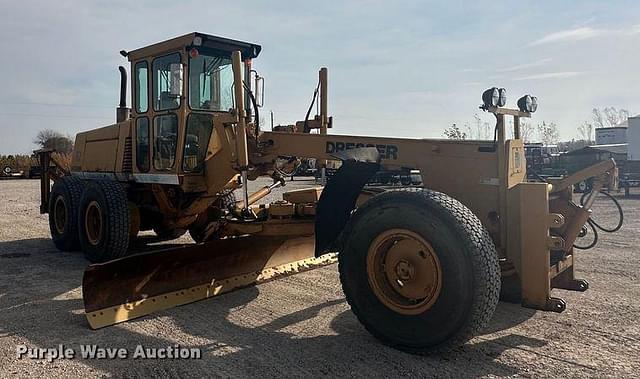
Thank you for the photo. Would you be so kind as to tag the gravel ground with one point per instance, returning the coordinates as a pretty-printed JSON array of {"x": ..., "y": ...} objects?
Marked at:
[{"x": 301, "y": 326}]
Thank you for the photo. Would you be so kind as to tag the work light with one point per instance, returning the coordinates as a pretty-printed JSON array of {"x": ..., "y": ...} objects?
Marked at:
[
  {"x": 534, "y": 104},
  {"x": 528, "y": 103},
  {"x": 491, "y": 97},
  {"x": 502, "y": 99}
]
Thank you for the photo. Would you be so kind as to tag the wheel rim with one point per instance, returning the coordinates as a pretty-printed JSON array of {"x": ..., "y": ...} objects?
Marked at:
[
  {"x": 404, "y": 271},
  {"x": 93, "y": 223},
  {"x": 60, "y": 214}
]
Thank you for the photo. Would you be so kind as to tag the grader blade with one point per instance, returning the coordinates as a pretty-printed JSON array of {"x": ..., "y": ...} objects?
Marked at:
[{"x": 138, "y": 285}]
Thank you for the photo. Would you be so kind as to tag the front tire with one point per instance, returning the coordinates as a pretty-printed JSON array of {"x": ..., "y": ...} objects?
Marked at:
[
  {"x": 104, "y": 221},
  {"x": 419, "y": 270},
  {"x": 198, "y": 230}
]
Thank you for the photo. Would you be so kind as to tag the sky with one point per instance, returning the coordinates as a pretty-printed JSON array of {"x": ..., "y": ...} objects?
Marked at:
[{"x": 396, "y": 68}]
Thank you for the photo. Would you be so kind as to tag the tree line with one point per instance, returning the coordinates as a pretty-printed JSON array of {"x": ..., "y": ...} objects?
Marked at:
[
  {"x": 45, "y": 139},
  {"x": 546, "y": 132}
]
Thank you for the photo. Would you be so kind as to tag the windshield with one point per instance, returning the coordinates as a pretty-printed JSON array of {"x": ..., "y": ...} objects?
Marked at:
[{"x": 210, "y": 82}]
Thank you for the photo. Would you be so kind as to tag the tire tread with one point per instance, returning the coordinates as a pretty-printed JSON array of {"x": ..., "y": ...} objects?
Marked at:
[
  {"x": 73, "y": 186},
  {"x": 117, "y": 218},
  {"x": 486, "y": 269}
]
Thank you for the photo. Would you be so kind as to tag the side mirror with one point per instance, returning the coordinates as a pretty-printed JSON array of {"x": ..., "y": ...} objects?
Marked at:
[
  {"x": 176, "y": 71},
  {"x": 259, "y": 88}
]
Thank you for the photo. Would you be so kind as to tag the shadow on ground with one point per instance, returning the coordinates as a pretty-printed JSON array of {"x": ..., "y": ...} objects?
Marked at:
[{"x": 40, "y": 301}]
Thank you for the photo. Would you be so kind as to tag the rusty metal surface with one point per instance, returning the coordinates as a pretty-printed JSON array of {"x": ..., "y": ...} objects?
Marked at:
[{"x": 157, "y": 272}]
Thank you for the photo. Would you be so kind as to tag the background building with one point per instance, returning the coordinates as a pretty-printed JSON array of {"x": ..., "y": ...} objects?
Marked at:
[
  {"x": 612, "y": 135},
  {"x": 633, "y": 139}
]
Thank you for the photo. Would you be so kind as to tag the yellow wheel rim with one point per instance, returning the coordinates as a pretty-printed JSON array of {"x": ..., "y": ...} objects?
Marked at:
[
  {"x": 93, "y": 223},
  {"x": 404, "y": 271},
  {"x": 60, "y": 214}
]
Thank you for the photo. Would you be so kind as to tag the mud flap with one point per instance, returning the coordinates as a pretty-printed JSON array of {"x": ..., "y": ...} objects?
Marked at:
[{"x": 339, "y": 196}]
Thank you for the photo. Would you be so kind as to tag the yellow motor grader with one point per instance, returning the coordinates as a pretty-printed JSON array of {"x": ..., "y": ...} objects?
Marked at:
[{"x": 422, "y": 267}]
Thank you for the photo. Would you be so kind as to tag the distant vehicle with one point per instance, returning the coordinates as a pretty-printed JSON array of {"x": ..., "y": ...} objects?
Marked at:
[
  {"x": 307, "y": 167},
  {"x": 405, "y": 177},
  {"x": 9, "y": 172},
  {"x": 543, "y": 161},
  {"x": 34, "y": 172},
  {"x": 551, "y": 150},
  {"x": 627, "y": 181}
]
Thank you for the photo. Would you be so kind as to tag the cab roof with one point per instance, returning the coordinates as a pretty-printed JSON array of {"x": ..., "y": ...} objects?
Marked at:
[{"x": 207, "y": 41}]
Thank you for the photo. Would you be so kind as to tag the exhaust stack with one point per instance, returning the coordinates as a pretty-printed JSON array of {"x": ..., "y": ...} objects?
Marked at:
[{"x": 122, "y": 112}]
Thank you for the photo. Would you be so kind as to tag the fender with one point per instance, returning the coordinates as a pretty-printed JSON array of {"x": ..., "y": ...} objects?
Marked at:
[{"x": 339, "y": 196}]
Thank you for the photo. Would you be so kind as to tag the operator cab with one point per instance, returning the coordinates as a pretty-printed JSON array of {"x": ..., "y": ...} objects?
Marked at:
[{"x": 178, "y": 87}]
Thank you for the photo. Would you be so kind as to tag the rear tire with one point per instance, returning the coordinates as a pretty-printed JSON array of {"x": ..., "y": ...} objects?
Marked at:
[
  {"x": 104, "y": 221},
  {"x": 63, "y": 212},
  {"x": 462, "y": 255}
]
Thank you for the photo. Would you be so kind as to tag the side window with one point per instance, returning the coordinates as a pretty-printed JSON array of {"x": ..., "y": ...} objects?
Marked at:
[
  {"x": 142, "y": 87},
  {"x": 196, "y": 142},
  {"x": 163, "y": 81},
  {"x": 165, "y": 132},
  {"x": 210, "y": 83},
  {"x": 142, "y": 144}
]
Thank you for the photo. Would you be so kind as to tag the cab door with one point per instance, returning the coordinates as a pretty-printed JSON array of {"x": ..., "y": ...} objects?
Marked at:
[{"x": 140, "y": 113}]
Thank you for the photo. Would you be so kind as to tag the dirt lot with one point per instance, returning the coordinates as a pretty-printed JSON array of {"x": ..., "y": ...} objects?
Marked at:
[{"x": 301, "y": 326}]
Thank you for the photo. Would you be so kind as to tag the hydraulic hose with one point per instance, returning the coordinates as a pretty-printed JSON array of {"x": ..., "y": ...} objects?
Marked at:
[
  {"x": 618, "y": 206},
  {"x": 595, "y": 236},
  {"x": 595, "y": 226},
  {"x": 313, "y": 100},
  {"x": 255, "y": 108}
]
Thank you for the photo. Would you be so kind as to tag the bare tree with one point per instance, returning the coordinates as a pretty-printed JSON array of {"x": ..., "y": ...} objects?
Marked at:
[
  {"x": 51, "y": 139},
  {"x": 572, "y": 145},
  {"x": 548, "y": 133},
  {"x": 609, "y": 116},
  {"x": 454, "y": 132},
  {"x": 624, "y": 114},
  {"x": 526, "y": 130},
  {"x": 478, "y": 121},
  {"x": 585, "y": 132},
  {"x": 481, "y": 131},
  {"x": 598, "y": 119},
  {"x": 486, "y": 131}
]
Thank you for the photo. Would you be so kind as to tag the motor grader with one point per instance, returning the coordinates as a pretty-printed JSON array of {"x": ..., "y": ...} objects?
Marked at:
[{"x": 422, "y": 267}]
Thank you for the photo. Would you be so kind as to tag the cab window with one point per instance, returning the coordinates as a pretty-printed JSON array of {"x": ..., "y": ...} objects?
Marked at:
[
  {"x": 142, "y": 144},
  {"x": 164, "y": 81},
  {"x": 199, "y": 128},
  {"x": 142, "y": 87},
  {"x": 165, "y": 132},
  {"x": 210, "y": 82}
]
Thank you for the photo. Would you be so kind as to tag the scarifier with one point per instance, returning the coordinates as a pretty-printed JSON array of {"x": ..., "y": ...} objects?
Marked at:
[{"x": 422, "y": 267}]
